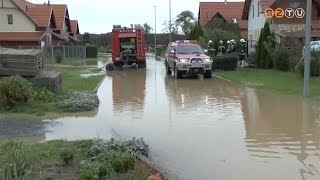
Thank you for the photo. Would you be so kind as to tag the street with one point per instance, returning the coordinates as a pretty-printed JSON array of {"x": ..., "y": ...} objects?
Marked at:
[{"x": 196, "y": 128}]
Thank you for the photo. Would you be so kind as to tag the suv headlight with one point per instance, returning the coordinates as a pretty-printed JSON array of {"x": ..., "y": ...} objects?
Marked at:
[
  {"x": 184, "y": 60},
  {"x": 207, "y": 60}
]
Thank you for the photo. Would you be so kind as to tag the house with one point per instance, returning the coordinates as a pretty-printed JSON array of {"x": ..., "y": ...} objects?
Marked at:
[
  {"x": 74, "y": 35},
  {"x": 230, "y": 11},
  {"x": 288, "y": 19},
  {"x": 26, "y": 25}
]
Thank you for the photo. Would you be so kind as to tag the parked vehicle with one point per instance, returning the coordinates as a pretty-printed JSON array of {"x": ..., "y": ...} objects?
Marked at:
[
  {"x": 128, "y": 46},
  {"x": 186, "y": 57}
]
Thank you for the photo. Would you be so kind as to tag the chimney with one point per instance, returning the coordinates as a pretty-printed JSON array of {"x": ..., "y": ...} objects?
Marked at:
[
  {"x": 48, "y": 2},
  {"x": 225, "y": 2}
]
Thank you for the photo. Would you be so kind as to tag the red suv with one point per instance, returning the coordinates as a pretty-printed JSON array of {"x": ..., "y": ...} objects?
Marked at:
[{"x": 187, "y": 57}]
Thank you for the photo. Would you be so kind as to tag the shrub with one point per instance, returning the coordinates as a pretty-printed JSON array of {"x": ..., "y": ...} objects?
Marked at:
[
  {"x": 43, "y": 95},
  {"x": 281, "y": 60},
  {"x": 133, "y": 146},
  {"x": 15, "y": 90},
  {"x": 89, "y": 172},
  {"x": 67, "y": 156},
  {"x": 314, "y": 67},
  {"x": 80, "y": 101},
  {"x": 119, "y": 162},
  {"x": 252, "y": 56},
  {"x": 226, "y": 62},
  {"x": 91, "y": 52},
  {"x": 17, "y": 159}
]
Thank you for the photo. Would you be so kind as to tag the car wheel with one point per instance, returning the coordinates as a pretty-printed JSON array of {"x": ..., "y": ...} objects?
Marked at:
[
  {"x": 177, "y": 73},
  {"x": 208, "y": 74},
  {"x": 167, "y": 68}
]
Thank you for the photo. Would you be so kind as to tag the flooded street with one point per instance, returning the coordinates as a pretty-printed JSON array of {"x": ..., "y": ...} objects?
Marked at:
[{"x": 197, "y": 129}]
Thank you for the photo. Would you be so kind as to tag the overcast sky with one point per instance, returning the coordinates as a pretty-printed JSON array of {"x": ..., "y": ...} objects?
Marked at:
[{"x": 98, "y": 16}]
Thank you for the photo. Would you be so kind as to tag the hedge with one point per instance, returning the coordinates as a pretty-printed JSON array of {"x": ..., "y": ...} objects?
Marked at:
[
  {"x": 226, "y": 62},
  {"x": 314, "y": 67},
  {"x": 91, "y": 52}
]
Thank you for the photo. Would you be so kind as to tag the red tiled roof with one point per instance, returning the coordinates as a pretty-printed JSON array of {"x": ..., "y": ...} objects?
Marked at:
[
  {"x": 228, "y": 10},
  {"x": 60, "y": 12},
  {"x": 21, "y": 36},
  {"x": 74, "y": 26},
  {"x": 41, "y": 14}
]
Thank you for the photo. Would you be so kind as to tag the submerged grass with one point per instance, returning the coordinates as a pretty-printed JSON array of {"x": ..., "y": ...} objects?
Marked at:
[{"x": 277, "y": 81}]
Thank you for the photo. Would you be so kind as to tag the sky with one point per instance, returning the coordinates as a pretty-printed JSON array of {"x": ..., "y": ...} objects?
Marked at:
[{"x": 98, "y": 16}]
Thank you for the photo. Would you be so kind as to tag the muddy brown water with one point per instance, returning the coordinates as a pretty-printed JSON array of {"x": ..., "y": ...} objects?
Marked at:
[{"x": 197, "y": 129}]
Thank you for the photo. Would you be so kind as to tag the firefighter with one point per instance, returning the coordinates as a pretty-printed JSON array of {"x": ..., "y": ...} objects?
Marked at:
[
  {"x": 211, "y": 49},
  {"x": 233, "y": 46},
  {"x": 221, "y": 48},
  {"x": 229, "y": 48},
  {"x": 242, "y": 51}
]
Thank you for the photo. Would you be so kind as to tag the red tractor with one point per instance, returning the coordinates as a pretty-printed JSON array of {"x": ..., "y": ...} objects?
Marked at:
[{"x": 128, "y": 46}]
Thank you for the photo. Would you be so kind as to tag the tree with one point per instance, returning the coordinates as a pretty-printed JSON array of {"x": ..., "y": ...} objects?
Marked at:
[
  {"x": 264, "y": 58},
  {"x": 86, "y": 38},
  {"x": 196, "y": 32},
  {"x": 147, "y": 28},
  {"x": 185, "y": 20},
  {"x": 174, "y": 27}
]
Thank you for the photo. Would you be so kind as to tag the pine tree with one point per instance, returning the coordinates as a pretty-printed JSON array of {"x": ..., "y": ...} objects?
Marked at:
[
  {"x": 259, "y": 48},
  {"x": 267, "y": 58}
]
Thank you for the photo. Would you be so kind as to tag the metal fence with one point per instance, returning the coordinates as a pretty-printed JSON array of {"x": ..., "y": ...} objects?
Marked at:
[{"x": 67, "y": 55}]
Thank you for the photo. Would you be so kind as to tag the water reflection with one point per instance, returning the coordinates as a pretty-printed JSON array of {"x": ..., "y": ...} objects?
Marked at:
[
  {"x": 278, "y": 127},
  {"x": 128, "y": 91}
]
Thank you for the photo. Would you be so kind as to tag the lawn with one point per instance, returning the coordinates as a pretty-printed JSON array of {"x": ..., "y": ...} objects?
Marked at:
[
  {"x": 71, "y": 82},
  {"x": 283, "y": 82},
  {"x": 88, "y": 159}
]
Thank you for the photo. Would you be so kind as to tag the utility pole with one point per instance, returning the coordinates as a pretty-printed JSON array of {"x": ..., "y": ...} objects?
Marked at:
[
  {"x": 155, "y": 31},
  {"x": 307, "y": 56},
  {"x": 170, "y": 38}
]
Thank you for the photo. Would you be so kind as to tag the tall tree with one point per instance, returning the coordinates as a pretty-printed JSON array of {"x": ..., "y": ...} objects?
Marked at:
[
  {"x": 147, "y": 28},
  {"x": 86, "y": 38},
  {"x": 174, "y": 27},
  {"x": 185, "y": 20}
]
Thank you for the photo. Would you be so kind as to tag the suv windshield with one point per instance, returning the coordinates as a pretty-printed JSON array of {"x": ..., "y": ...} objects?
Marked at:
[{"x": 189, "y": 49}]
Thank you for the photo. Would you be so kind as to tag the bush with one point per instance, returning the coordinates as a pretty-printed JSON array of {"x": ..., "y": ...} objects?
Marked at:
[
  {"x": 67, "y": 156},
  {"x": 281, "y": 60},
  {"x": 17, "y": 160},
  {"x": 80, "y": 101},
  {"x": 15, "y": 90},
  {"x": 119, "y": 162},
  {"x": 43, "y": 95},
  {"x": 226, "y": 62},
  {"x": 252, "y": 57},
  {"x": 314, "y": 67},
  {"x": 133, "y": 146},
  {"x": 91, "y": 52}
]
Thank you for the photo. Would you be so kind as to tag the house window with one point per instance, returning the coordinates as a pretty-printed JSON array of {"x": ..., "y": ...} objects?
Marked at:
[
  {"x": 252, "y": 11},
  {"x": 2, "y": 5},
  {"x": 10, "y": 18},
  {"x": 251, "y": 44},
  {"x": 258, "y": 9}
]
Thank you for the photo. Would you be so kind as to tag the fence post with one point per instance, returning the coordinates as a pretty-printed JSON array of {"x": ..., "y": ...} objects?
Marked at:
[{"x": 52, "y": 55}]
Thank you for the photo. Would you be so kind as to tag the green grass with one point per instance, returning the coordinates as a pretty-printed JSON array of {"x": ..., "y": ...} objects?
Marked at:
[
  {"x": 57, "y": 160},
  {"x": 73, "y": 61},
  {"x": 72, "y": 80},
  {"x": 277, "y": 81}
]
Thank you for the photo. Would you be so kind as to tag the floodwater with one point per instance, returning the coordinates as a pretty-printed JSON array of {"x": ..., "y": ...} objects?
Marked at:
[{"x": 197, "y": 129}]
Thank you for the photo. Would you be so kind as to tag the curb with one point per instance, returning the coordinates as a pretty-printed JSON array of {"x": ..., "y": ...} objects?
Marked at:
[{"x": 99, "y": 84}]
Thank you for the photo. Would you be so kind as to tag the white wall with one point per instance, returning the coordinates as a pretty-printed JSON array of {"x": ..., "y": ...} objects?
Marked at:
[
  {"x": 254, "y": 24},
  {"x": 20, "y": 21}
]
